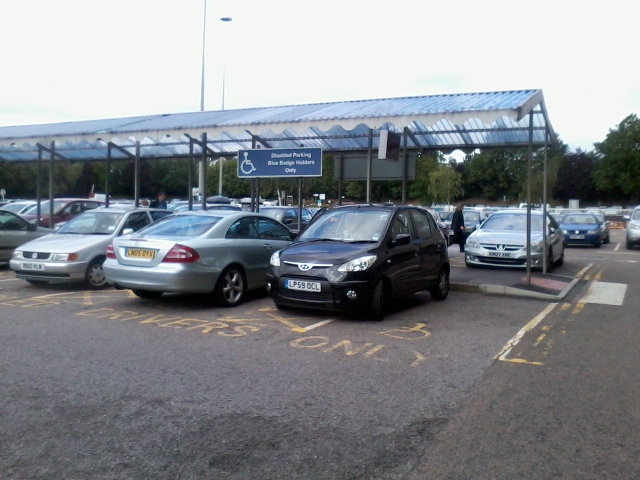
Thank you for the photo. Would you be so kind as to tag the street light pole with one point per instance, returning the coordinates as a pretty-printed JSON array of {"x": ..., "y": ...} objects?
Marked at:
[
  {"x": 220, "y": 160},
  {"x": 201, "y": 186},
  {"x": 224, "y": 67},
  {"x": 204, "y": 43}
]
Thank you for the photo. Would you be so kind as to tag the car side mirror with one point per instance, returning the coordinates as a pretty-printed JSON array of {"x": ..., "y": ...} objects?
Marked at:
[
  {"x": 33, "y": 226},
  {"x": 552, "y": 230},
  {"x": 401, "y": 239},
  {"x": 127, "y": 231}
]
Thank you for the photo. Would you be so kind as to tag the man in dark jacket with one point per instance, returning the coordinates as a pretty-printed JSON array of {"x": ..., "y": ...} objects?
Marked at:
[
  {"x": 457, "y": 227},
  {"x": 161, "y": 202}
]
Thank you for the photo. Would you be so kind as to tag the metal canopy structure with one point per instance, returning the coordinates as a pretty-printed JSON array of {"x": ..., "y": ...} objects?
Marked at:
[{"x": 448, "y": 122}]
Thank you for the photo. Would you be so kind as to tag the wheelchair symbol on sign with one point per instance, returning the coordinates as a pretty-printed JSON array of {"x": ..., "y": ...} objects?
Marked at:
[{"x": 246, "y": 165}]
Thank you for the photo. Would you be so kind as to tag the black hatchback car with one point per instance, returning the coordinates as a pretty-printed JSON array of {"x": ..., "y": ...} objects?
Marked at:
[{"x": 357, "y": 258}]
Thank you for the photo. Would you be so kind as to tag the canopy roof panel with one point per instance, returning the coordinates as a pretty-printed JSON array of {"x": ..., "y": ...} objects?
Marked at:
[{"x": 447, "y": 122}]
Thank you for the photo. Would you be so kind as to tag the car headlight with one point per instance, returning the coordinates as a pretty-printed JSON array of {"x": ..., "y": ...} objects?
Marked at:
[
  {"x": 17, "y": 253},
  {"x": 593, "y": 232},
  {"x": 358, "y": 265},
  {"x": 275, "y": 259},
  {"x": 471, "y": 242},
  {"x": 64, "y": 257},
  {"x": 536, "y": 246},
  {"x": 634, "y": 226}
]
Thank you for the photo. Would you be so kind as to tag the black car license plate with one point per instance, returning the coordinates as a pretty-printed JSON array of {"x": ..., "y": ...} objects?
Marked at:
[{"x": 302, "y": 285}]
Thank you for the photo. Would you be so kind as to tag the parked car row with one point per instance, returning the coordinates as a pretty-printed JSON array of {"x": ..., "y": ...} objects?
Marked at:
[{"x": 352, "y": 258}]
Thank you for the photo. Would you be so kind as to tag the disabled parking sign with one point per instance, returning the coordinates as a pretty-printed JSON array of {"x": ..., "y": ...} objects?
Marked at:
[{"x": 280, "y": 162}]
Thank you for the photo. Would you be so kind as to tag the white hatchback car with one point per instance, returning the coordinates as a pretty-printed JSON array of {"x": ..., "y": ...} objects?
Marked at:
[{"x": 78, "y": 249}]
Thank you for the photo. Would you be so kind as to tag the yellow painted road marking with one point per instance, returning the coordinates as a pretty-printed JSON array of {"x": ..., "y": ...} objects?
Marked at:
[
  {"x": 582, "y": 272},
  {"x": 523, "y": 331}
]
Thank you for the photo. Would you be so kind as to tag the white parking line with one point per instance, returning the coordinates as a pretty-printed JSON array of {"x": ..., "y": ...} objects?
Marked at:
[{"x": 319, "y": 324}]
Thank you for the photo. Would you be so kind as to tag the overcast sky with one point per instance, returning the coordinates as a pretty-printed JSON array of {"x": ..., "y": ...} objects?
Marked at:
[{"x": 65, "y": 60}]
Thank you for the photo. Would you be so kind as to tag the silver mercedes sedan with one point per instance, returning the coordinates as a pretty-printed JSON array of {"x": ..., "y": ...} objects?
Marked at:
[
  {"x": 218, "y": 252},
  {"x": 501, "y": 241}
]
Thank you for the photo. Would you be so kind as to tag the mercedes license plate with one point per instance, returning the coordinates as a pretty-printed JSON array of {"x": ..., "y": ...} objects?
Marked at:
[
  {"x": 304, "y": 286},
  {"x": 140, "y": 253}
]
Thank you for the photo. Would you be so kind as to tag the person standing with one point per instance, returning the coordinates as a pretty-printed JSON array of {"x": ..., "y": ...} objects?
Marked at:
[
  {"x": 457, "y": 226},
  {"x": 161, "y": 202}
]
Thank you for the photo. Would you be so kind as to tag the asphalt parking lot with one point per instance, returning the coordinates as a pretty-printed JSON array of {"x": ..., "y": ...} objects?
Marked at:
[{"x": 103, "y": 384}]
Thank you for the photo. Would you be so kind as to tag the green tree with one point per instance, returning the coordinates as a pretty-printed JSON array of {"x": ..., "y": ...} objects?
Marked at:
[
  {"x": 445, "y": 184},
  {"x": 575, "y": 178},
  {"x": 425, "y": 165},
  {"x": 618, "y": 161}
]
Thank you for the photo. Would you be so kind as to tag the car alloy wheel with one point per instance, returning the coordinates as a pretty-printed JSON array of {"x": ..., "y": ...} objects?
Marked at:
[
  {"x": 230, "y": 288},
  {"x": 441, "y": 290}
]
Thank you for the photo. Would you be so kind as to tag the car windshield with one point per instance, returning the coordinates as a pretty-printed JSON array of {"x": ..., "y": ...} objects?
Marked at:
[
  {"x": 275, "y": 213},
  {"x": 512, "y": 222},
  {"x": 348, "y": 225},
  {"x": 15, "y": 207},
  {"x": 636, "y": 215},
  {"x": 97, "y": 223},
  {"x": 44, "y": 207},
  {"x": 573, "y": 219},
  {"x": 471, "y": 217},
  {"x": 181, "y": 226}
]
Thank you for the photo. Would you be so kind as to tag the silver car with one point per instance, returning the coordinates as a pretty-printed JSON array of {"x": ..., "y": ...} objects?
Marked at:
[
  {"x": 633, "y": 229},
  {"x": 218, "y": 252},
  {"x": 15, "y": 231},
  {"x": 76, "y": 251},
  {"x": 501, "y": 241}
]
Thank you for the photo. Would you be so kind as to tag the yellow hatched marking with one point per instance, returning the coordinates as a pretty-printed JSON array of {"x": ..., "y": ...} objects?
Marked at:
[{"x": 502, "y": 355}]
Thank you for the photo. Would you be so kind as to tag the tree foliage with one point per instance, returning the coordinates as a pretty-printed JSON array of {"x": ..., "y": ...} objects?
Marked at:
[{"x": 618, "y": 160}]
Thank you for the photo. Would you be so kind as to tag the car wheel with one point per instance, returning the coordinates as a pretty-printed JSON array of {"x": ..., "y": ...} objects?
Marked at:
[
  {"x": 279, "y": 306},
  {"x": 376, "y": 309},
  {"x": 629, "y": 245},
  {"x": 441, "y": 291},
  {"x": 560, "y": 261},
  {"x": 607, "y": 240},
  {"x": 598, "y": 244},
  {"x": 231, "y": 287},
  {"x": 147, "y": 294},
  {"x": 550, "y": 260},
  {"x": 469, "y": 265},
  {"x": 37, "y": 282},
  {"x": 94, "y": 276}
]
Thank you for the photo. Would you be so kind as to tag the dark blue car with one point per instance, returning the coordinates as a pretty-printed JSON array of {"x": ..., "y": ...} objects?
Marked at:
[{"x": 582, "y": 229}]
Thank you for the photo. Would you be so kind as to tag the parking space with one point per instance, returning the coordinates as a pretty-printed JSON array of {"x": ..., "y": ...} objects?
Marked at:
[{"x": 416, "y": 331}]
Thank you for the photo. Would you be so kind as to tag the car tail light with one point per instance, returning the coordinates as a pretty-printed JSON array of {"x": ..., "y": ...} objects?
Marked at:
[
  {"x": 181, "y": 254},
  {"x": 110, "y": 252}
]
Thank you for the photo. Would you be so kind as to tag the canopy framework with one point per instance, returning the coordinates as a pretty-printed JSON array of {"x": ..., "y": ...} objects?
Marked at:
[{"x": 449, "y": 122}]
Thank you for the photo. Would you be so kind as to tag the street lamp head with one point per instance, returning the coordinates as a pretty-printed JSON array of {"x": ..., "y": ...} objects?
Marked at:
[{"x": 225, "y": 19}]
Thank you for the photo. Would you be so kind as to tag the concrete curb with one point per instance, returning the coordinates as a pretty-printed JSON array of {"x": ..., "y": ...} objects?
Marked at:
[{"x": 512, "y": 291}]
